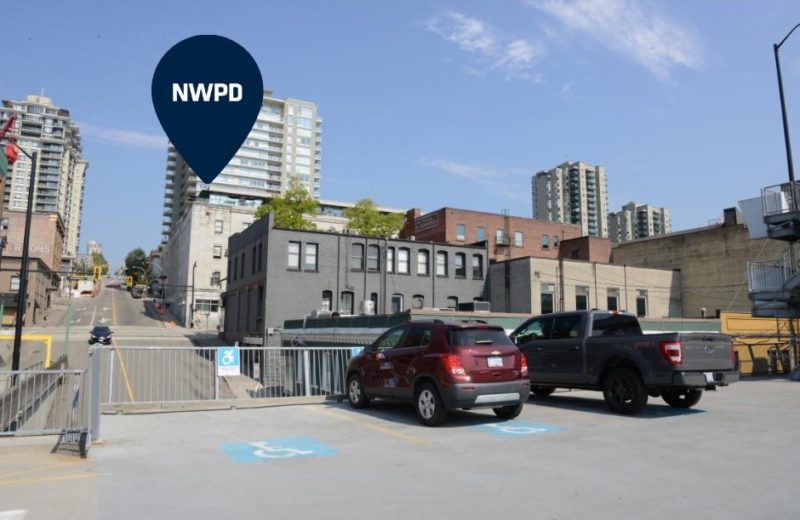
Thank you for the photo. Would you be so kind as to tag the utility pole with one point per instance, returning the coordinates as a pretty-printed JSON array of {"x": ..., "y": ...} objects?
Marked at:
[{"x": 23, "y": 282}]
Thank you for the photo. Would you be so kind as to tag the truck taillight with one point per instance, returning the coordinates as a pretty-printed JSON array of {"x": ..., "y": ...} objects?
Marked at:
[
  {"x": 523, "y": 361},
  {"x": 453, "y": 366},
  {"x": 672, "y": 352}
]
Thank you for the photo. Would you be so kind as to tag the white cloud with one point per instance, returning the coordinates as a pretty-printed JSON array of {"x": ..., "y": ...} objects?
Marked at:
[
  {"x": 468, "y": 171},
  {"x": 512, "y": 57},
  {"x": 126, "y": 137},
  {"x": 502, "y": 183},
  {"x": 648, "y": 38}
]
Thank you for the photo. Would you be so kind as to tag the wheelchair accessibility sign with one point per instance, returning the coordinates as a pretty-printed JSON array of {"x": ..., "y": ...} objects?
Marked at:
[
  {"x": 285, "y": 448},
  {"x": 228, "y": 361},
  {"x": 519, "y": 428}
]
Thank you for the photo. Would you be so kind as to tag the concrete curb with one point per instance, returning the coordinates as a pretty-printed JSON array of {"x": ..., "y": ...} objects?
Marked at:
[{"x": 221, "y": 404}]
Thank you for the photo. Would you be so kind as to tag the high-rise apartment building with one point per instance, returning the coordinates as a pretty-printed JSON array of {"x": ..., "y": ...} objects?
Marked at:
[
  {"x": 573, "y": 193},
  {"x": 638, "y": 221},
  {"x": 285, "y": 142},
  {"x": 94, "y": 247},
  {"x": 61, "y": 171}
]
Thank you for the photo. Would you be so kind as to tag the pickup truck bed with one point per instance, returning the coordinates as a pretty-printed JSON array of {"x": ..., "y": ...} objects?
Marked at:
[{"x": 604, "y": 350}]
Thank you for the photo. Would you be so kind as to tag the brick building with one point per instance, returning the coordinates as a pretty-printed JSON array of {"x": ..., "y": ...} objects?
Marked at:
[{"x": 507, "y": 237}]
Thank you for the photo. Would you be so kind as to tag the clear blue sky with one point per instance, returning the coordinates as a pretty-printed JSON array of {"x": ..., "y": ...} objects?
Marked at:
[{"x": 429, "y": 103}]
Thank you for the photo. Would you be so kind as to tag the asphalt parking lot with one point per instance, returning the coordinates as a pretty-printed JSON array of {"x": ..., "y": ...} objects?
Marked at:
[{"x": 734, "y": 456}]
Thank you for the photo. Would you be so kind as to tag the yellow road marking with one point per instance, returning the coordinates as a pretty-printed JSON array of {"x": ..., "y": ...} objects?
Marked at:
[
  {"x": 76, "y": 476},
  {"x": 47, "y": 339},
  {"x": 116, "y": 348},
  {"x": 387, "y": 431},
  {"x": 42, "y": 468}
]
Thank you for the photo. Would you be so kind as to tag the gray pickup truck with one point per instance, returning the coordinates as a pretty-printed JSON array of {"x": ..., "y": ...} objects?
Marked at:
[{"x": 606, "y": 350}]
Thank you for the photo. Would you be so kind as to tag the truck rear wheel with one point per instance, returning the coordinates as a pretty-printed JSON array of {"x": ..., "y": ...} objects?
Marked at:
[
  {"x": 624, "y": 391},
  {"x": 685, "y": 398}
]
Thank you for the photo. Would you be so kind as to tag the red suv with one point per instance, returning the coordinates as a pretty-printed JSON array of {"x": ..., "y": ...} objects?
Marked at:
[{"x": 439, "y": 367}]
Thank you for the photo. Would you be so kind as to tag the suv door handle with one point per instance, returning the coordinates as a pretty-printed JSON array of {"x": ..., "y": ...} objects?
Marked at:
[
  {"x": 536, "y": 349},
  {"x": 576, "y": 347}
]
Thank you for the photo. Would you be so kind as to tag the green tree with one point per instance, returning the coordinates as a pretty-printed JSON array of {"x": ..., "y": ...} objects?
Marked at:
[
  {"x": 366, "y": 219},
  {"x": 80, "y": 266},
  {"x": 137, "y": 266},
  {"x": 291, "y": 208},
  {"x": 99, "y": 259}
]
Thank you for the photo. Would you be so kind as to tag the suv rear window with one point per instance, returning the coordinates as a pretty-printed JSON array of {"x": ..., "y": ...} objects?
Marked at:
[
  {"x": 615, "y": 325},
  {"x": 461, "y": 337}
]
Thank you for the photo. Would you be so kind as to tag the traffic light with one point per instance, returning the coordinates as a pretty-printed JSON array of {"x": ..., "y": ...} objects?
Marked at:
[
  {"x": 129, "y": 281},
  {"x": 98, "y": 272}
]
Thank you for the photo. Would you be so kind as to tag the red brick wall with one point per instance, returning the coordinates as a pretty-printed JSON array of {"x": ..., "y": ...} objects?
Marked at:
[{"x": 590, "y": 249}]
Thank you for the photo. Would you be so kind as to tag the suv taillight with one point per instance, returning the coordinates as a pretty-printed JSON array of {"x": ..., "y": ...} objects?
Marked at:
[
  {"x": 672, "y": 352},
  {"x": 453, "y": 366},
  {"x": 523, "y": 361}
]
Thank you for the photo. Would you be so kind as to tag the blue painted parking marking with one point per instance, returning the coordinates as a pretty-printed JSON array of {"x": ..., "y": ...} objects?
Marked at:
[
  {"x": 519, "y": 428},
  {"x": 284, "y": 448}
]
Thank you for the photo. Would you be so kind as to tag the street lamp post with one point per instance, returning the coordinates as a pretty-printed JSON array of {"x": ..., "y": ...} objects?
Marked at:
[{"x": 783, "y": 108}]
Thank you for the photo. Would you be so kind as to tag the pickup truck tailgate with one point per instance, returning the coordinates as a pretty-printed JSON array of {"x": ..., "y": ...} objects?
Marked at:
[{"x": 706, "y": 351}]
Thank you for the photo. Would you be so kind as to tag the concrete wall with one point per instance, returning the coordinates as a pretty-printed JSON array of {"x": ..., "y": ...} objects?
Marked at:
[{"x": 712, "y": 262}]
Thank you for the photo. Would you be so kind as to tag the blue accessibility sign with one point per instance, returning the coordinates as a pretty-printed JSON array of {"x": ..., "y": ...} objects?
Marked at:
[
  {"x": 284, "y": 448},
  {"x": 518, "y": 428},
  {"x": 228, "y": 361}
]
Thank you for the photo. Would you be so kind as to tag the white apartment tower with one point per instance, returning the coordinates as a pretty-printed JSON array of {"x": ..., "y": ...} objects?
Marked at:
[
  {"x": 61, "y": 171},
  {"x": 638, "y": 221},
  {"x": 573, "y": 193}
]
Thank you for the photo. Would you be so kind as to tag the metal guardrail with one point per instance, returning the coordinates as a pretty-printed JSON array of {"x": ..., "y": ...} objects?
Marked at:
[
  {"x": 768, "y": 275},
  {"x": 780, "y": 198},
  {"x": 46, "y": 402},
  {"x": 173, "y": 374}
]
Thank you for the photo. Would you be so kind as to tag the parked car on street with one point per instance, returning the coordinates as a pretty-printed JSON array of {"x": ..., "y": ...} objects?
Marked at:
[
  {"x": 137, "y": 292},
  {"x": 606, "y": 350},
  {"x": 100, "y": 334},
  {"x": 439, "y": 367}
]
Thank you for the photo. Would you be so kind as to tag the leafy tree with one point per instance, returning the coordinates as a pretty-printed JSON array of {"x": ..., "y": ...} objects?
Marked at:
[
  {"x": 80, "y": 266},
  {"x": 291, "y": 208},
  {"x": 99, "y": 259},
  {"x": 137, "y": 266},
  {"x": 365, "y": 219}
]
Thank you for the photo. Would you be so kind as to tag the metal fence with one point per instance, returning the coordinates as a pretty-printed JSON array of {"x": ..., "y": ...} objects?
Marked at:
[
  {"x": 46, "y": 402},
  {"x": 780, "y": 198},
  {"x": 172, "y": 374}
]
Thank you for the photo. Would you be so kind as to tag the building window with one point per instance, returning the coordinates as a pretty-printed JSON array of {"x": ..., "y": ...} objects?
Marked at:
[
  {"x": 373, "y": 297},
  {"x": 389, "y": 259},
  {"x": 641, "y": 303},
  {"x": 215, "y": 278},
  {"x": 206, "y": 305},
  {"x": 441, "y": 263},
  {"x": 480, "y": 234},
  {"x": 477, "y": 267},
  {"x": 217, "y": 226},
  {"x": 236, "y": 268},
  {"x": 417, "y": 301},
  {"x": 397, "y": 303},
  {"x": 346, "y": 302},
  {"x": 260, "y": 255},
  {"x": 461, "y": 265},
  {"x": 402, "y": 260},
  {"x": 423, "y": 262},
  {"x": 294, "y": 255},
  {"x": 461, "y": 232},
  {"x": 500, "y": 238},
  {"x": 253, "y": 261},
  {"x": 452, "y": 303},
  {"x": 217, "y": 251},
  {"x": 374, "y": 258},
  {"x": 244, "y": 269},
  {"x": 555, "y": 241},
  {"x": 357, "y": 257},
  {"x": 517, "y": 238},
  {"x": 311, "y": 257},
  {"x": 15, "y": 282},
  {"x": 545, "y": 242},
  {"x": 327, "y": 299},
  {"x": 581, "y": 298},
  {"x": 613, "y": 299},
  {"x": 547, "y": 298}
]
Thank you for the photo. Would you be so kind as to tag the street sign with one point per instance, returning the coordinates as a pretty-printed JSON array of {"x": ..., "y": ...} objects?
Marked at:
[
  {"x": 228, "y": 361},
  {"x": 285, "y": 448},
  {"x": 518, "y": 428}
]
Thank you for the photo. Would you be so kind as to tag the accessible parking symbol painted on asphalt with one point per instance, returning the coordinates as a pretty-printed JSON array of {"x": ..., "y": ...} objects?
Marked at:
[
  {"x": 519, "y": 428},
  {"x": 285, "y": 448}
]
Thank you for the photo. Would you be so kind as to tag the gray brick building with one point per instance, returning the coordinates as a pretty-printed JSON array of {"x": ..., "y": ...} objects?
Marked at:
[{"x": 278, "y": 274}]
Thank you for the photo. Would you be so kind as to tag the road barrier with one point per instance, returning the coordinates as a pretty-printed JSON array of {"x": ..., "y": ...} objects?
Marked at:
[
  {"x": 175, "y": 374},
  {"x": 46, "y": 402}
]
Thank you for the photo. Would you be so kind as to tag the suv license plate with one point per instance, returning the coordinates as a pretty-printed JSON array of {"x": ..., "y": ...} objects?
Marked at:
[
  {"x": 709, "y": 377},
  {"x": 494, "y": 362}
]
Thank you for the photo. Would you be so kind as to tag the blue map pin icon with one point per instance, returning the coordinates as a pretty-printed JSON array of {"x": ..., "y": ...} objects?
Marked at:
[{"x": 207, "y": 91}]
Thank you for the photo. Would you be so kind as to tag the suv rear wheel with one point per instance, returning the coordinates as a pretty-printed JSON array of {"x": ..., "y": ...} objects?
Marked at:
[
  {"x": 355, "y": 392},
  {"x": 624, "y": 391},
  {"x": 508, "y": 412},
  {"x": 429, "y": 405},
  {"x": 542, "y": 390}
]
